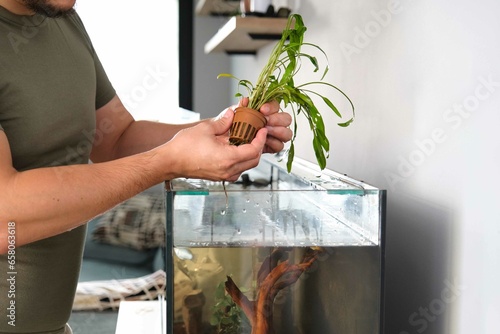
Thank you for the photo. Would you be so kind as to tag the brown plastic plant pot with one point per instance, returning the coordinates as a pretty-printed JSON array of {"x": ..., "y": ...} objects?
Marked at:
[{"x": 246, "y": 123}]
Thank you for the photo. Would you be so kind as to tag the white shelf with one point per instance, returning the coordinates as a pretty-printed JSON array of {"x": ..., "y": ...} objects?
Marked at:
[
  {"x": 217, "y": 7},
  {"x": 141, "y": 317},
  {"x": 246, "y": 34}
]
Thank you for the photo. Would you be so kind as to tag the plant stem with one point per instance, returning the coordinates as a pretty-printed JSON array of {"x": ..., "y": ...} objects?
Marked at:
[
  {"x": 258, "y": 96},
  {"x": 225, "y": 193}
]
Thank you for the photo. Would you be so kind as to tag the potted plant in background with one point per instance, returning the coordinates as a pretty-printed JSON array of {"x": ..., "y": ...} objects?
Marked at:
[{"x": 276, "y": 82}]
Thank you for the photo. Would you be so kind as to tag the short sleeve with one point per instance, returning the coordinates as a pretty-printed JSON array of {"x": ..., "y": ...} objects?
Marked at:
[{"x": 105, "y": 90}]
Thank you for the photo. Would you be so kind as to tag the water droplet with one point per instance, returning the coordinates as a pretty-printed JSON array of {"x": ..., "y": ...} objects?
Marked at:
[
  {"x": 244, "y": 210},
  {"x": 239, "y": 231},
  {"x": 248, "y": 200},
  {"x": 223, "y": 212}
]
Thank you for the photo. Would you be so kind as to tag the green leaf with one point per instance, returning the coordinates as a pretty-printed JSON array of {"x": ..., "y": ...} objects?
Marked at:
[
  {"x": 323, "y": 140},
  {"x": 313, "y": 61},
  {"x": 220, "y": 291},
  {"x": 227, "y": 75},
  {"x": 327, "y": 68},
  {"x": 214, "y": 320},
  {"x": 331, "y": 106},
  {"x": 345, "y": 124},
  {"x": 320, "y": 155},
  {"x": 291, "y": 154}
]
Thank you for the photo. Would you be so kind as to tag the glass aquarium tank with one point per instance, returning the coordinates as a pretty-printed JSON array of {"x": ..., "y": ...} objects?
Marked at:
[{"x": 275, "y": 253}]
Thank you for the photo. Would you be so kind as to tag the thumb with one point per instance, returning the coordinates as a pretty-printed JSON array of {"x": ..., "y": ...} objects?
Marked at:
[
  {"x": 243, "y": 102},
  {"x": 222, "y": 124}
]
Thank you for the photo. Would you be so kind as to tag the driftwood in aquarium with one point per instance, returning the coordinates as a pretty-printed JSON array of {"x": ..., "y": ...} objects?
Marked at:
[
  {"x": 273, "y": 276},
  {"x": 192, "y": 310}
]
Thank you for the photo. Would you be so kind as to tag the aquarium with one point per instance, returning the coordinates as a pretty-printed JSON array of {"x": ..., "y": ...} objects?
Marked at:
[{"x": 275, "y": 252}]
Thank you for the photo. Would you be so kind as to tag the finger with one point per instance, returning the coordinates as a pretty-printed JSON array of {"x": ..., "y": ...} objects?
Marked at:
[
  {"x": 234, "y": 177},
  {"x": 222, "y": 124},
  {"x": 249, "y": 154},
  {"x": 280, "y": 133},
  {"x": 283, "y": 119},
  {"x": 270, "y": 108},
  {"x": 238, "y": 168},
  {"x": 260, "y": 139},
  {"x": 243, "y": 102},
  {"x": 273, "y": 145}
]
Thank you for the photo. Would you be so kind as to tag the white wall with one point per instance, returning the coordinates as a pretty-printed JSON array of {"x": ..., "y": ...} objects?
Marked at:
[
  {"x": 138, "y": 46},
  {"x": 425, "y": 78}
]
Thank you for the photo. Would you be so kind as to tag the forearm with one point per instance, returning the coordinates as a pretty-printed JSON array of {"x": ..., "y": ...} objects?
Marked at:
[
  {"x": 119, "y": 135},
  {"x": 49, "y": 201},
  {"x": 142, "y": 136}
]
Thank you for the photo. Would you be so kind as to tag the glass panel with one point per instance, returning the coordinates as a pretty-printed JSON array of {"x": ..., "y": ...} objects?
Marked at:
[{"x": 278, "y": 243}]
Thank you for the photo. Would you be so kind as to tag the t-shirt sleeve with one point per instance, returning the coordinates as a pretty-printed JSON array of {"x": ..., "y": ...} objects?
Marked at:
[{"x": 105, "y": 90}]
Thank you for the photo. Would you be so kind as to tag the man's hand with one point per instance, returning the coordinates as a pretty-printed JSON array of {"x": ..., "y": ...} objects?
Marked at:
[
  {"x": 277, "y": 126},
  {"x": 203, "y": 151}
]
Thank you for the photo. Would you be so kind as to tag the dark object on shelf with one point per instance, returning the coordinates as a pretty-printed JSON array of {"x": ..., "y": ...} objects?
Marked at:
[{"x": 282, "y": 12}]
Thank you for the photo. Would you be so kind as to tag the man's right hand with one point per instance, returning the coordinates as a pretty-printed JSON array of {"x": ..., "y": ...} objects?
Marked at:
[{"x": 204, "y": 152}]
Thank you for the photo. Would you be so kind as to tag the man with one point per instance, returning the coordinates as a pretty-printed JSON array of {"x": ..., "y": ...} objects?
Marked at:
[{"x": 57, "y": 111}]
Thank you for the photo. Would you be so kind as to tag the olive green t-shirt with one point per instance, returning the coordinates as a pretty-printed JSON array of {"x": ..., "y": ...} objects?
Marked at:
[{"x": 51, "y": 83}]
